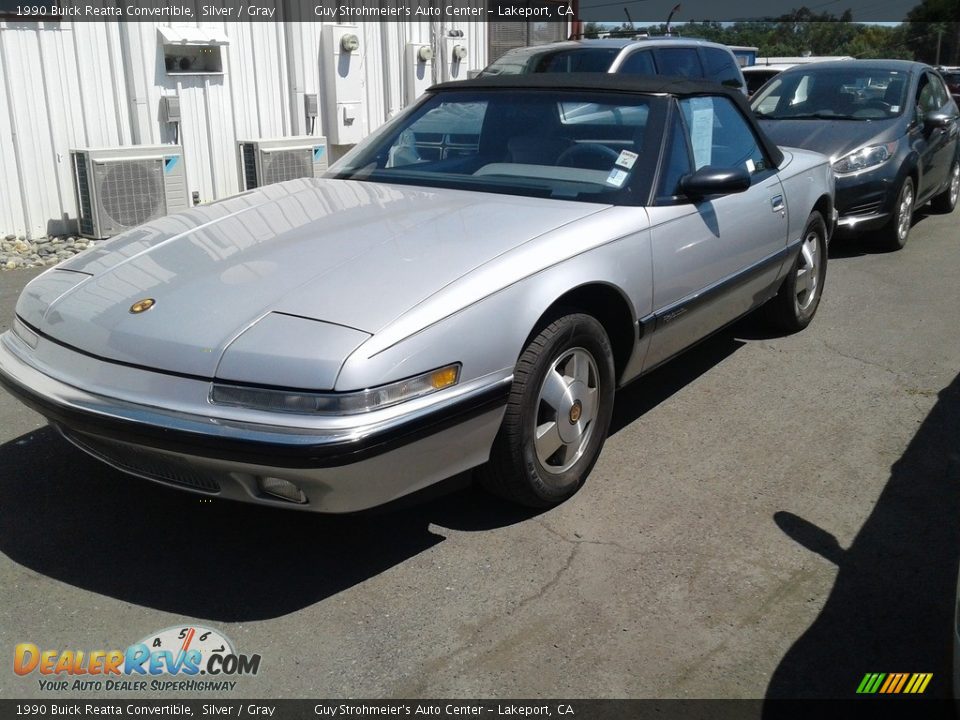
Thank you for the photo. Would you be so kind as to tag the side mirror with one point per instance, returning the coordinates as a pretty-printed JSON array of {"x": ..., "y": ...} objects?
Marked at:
[
  {"x": 713, "y": 180},
  {"x": 937, "y": 120}
]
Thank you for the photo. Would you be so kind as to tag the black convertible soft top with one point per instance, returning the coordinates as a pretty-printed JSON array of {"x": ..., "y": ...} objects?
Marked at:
[{"x": 613, "y": 82}]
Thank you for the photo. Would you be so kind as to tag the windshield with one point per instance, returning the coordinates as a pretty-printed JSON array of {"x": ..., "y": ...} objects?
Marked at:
[
  {"x": 853, "y": 93},
  {"x": 554, "y": 61},
  {"x": 558, "y": 144}
]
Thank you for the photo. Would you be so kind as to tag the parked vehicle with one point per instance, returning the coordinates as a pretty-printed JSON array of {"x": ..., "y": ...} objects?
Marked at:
[
  {"x": 756, "y": 76},
  {"x": 951, "y": 76},
  {"x": 888, "y": 126},
  {"x": 682, "y": 57},
  {"x": 766, "y": 68},
  {"x": 332, "y": 344}
]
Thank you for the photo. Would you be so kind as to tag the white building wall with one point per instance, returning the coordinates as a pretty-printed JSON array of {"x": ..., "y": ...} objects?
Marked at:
[{"x": 68, "y": 85}]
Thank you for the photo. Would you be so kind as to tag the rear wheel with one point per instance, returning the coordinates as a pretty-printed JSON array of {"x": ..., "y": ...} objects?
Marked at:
[
  {"x": 895, "y": 233},
  {"x": 557, "y": 416},
  {"x": 946, "y": 201},
  {"x": 796, "y": 303}
]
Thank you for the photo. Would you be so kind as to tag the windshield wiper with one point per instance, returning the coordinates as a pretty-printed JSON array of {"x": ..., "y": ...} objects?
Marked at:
[{"x": 818, "y": 116}]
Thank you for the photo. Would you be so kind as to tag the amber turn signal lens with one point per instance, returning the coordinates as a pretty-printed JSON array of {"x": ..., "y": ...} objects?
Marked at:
[{"x": 445, "y": 377}]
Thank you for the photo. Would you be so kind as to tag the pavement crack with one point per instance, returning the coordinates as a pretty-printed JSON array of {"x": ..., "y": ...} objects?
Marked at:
[
  {"x": 469, "y": 644},
  {"x": 857, "y": 358},
  {"x": 552, "y": 582},
  {"x": 581, "y": 541}
]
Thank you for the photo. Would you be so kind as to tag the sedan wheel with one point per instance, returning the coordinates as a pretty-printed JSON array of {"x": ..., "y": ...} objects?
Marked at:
[
  {"x": 796, "y": 303},
  {"x": 895, "y": 234},
  {"x": 558, "y": 414},
  {"x": 946, "y": 201}
]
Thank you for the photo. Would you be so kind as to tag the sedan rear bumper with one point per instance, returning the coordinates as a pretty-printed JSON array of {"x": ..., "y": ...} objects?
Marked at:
[{"x": 338, "y": 467}]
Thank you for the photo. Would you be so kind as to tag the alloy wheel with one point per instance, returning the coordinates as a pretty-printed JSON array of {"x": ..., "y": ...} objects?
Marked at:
[
  {"x": 808, "y": 270},
  {"x": 567, "y": 406}
]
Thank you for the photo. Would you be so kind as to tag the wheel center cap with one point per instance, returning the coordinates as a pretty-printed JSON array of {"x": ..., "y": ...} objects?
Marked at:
[{"x": 576, "y": 410}]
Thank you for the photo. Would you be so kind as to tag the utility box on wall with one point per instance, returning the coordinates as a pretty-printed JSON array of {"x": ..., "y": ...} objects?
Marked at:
[
  {"x": 455, "y": 58},
  {"x": 343, "y": 85},
  {"x": 192, "y": 50},
  {"x": 418, "y": 70}
]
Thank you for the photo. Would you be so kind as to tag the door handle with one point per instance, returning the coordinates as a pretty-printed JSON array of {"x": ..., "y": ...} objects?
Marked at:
[{"x": 776, "y": 204}]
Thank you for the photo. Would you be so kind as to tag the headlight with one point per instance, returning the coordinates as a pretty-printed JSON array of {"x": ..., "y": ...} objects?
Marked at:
[
  {"x": 349, "y": 403},
  {"x": 868, "y": 157}
]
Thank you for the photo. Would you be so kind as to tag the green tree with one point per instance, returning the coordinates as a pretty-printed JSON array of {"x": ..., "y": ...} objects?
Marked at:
[{"x": 934, "y": 24}]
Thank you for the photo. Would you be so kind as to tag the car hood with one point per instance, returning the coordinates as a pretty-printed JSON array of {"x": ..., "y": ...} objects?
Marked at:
[
  {"x": 833, "y": 138},
  {"x": 354, "y": 255}
]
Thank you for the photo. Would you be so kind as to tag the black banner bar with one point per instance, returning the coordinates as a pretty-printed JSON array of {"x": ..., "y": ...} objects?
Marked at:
[
  {"x": 643, "y": 12},
  {"x": 874, "y": 708}
]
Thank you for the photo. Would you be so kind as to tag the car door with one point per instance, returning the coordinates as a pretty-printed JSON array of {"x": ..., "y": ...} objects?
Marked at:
[
  {"x": 944, "y": 140},
  {"x": 716, "y": 257},
  {"x": 931, "y": 144}
]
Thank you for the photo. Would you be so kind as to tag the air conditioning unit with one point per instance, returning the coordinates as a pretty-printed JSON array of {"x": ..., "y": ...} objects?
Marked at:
[
  {"x": 263, "y": 162},
  {"x": 120, "y": 188}
]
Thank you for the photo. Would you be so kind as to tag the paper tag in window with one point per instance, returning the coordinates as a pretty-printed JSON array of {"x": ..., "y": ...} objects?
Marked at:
[
  {"x": 750, "y": 166},
  {"x": 617, "y": 177},
  {"x": 894, "y": 108},
  {"x": 626, "y": 159},
  {"x": 701, "y": 130}
]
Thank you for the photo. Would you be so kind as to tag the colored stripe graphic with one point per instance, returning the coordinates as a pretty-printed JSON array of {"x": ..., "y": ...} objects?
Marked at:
[
  {"x": 903, "y": 679},
  {"x": 894, "y": 683}
]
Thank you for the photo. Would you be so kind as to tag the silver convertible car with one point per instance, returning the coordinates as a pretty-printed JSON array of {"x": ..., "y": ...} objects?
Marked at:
[{"x": 466, "y": 289}]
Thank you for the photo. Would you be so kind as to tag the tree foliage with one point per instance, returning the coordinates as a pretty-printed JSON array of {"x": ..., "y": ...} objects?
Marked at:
[{"x": 805, "y": 31}]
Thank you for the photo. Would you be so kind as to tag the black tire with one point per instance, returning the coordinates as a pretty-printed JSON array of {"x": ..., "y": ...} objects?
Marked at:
[
  {"x": 896, "y": 232},
  {"x": 946, "y": 201},
  {"x": 799, "y": 296},
  {"x": 515, "y": 471}
]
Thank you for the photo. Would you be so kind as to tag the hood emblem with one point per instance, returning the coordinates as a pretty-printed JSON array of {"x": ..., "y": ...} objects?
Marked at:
[{"x": 142, "y": 305}]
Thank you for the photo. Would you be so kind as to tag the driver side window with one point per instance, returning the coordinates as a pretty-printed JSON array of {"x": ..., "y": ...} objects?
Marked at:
[{"x": 719, "y": 135}]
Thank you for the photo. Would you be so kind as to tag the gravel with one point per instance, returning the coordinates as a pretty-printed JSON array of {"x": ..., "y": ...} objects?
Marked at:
[{"x": 18, "y": 252}]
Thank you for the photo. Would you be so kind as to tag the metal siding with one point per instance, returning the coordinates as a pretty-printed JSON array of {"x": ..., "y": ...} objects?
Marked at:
[
  {"x": 99, "y": 84},
  {"x": 11, "y": 207}
]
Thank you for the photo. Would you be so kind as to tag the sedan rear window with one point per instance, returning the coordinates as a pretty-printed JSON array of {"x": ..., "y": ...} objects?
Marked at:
[{"x": 554, "y": 61}]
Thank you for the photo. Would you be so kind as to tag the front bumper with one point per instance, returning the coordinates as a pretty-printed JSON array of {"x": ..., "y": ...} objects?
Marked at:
[
  {"x": 865, "y": 200},
  {"x": 341, "y": 464}
]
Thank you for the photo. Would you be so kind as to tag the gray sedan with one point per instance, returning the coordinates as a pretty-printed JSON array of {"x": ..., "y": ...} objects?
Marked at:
[{"x": 467, "y": 289}]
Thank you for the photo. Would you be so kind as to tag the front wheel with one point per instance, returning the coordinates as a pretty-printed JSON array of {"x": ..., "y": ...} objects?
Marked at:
[
  {"x": 894, "y": 235},
  {"x": 799, "y": 297},
  {"x": 557, "y": 416}
]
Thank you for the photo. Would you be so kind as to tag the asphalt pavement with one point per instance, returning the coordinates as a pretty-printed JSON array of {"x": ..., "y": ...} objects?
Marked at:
[{"x": 773, "y": 517}]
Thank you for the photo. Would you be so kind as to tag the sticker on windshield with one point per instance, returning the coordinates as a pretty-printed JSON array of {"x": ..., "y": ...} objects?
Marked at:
[
  {"x": 626, "y": 159},
  {"x": 750, "y": 166},
  {"x": 617, "y": 177},
  {"x": 894, "y": 108}
]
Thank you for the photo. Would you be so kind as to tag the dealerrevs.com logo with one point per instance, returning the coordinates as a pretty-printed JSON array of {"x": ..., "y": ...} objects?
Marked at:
[{"x": 177, "y": 658}]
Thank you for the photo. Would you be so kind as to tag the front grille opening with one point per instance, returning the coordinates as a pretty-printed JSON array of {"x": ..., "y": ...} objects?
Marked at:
[{"x": 145, "y": 463}]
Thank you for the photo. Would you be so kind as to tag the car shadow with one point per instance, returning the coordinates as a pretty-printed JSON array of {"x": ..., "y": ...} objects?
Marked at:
[
  {"x": 892, "y": 605},
  {"x": 74, "y": 519},
  {"x": 641, "y": 396}
]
